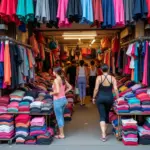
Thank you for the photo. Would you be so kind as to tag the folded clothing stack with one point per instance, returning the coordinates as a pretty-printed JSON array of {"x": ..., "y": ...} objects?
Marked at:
[
  {"x": 4, "y": 101},
  {"x": 38, "y": 126},
  {"x": 145, "y": 101},
  {"x": 144, "y": 132},
  {"x": 129, "y": 132},
  {"x": 30, "y": 140},
  {"x": 70, "y": 97},
  {"x": 17, "y": 96},
  {"x": 6, "y": 126},
  {"x": 22, "y": 128},
  {"x": 29, "y": 99},
  {"x": 24, "y": 106},
  {"x": 35, "y": 107},
  {"x": 13, "y": 107},
  {"x": 44, "y": 139},
  {"x": 134, "y": 104},
  {"x": 68, "y": 112},
  {"x": 122, "y": 105},
  {"x": 47, "y": 108}
]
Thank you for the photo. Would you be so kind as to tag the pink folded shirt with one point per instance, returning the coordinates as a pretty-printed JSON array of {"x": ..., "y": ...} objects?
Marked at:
[
  {"x": 36, "y": 133},
  {"x": 38, "y": 121}
]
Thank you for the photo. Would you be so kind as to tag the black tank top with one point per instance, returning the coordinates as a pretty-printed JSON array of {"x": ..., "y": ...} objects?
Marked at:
[{"x": 105, "y": 92}]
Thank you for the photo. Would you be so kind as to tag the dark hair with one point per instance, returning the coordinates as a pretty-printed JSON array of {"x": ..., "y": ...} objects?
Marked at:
[
  {"x": 92, "y": 63},
  {"x": 105, "y": 68},
  {"x": 73, "y": 61},
  {"x": 81, "y": 63},
  {"x": 59, "y": 71}
]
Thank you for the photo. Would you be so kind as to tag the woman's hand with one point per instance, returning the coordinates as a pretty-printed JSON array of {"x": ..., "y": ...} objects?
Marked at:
[{"x": 93, "y": 100}]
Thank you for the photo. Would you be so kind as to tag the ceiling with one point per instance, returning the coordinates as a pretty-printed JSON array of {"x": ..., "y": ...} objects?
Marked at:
[{"x": 77, "y": 28}]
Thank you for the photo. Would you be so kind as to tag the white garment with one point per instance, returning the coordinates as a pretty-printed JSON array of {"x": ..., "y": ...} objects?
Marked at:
[
  {"x": 93, "y": 72},
  {"x": 81, "y": 71},
  {"x": 129, "y": 121},
  {"x": 36, "y": 104},
  {"x": 129, "y": 53},
  {"x": 6, "y": 128}
]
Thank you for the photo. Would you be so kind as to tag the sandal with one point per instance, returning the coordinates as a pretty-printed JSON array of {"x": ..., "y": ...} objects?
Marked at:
[
  {"x": 59, "y": 137},
  {"x": 103, "y": 139}
]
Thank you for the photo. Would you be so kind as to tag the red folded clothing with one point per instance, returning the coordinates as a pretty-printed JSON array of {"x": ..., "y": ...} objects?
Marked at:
[
  {"x": 4, "y": 99},
  {"x": 144, "y": 99},
  {"x": 130, "y": 143},
  {"x": 24, "y": 118},
  {"x": 2, "y": 104},
  {"x": 146, "y": 127},
  {"x": 24, "y": 109},
  {"x": 122, "y": 93},
  {"x": 6, "y": 117},
  {"x": 142, "y": 95},
  {"x": 129, "y": 127}
]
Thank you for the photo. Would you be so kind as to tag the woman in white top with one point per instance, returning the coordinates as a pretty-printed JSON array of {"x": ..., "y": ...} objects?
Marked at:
[
  {"x": 82, "y": 78},
  {"x": 92, "y": 77}
]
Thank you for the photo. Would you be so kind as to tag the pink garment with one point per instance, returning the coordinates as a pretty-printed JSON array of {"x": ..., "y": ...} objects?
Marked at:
[
  {"x": 2, "y": 52},
  {"x": 130, "y": 136},
  {"x": 61, "y": 13},
  {"x": 145, "y": 127},
  {"x": 135, "y": 105},
  {"x": 33, "y": 133},
  {"x": 119, "y": 12},
  {"x": 144, "y": 81},
  {"x": 38, "y": 121},
  {"x": 145, "y": 106}
]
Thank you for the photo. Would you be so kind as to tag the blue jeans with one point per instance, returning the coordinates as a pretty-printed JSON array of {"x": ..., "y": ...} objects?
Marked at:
[
  {"x": 59, "y": 107},
  {"x": 82, "y": 86}
]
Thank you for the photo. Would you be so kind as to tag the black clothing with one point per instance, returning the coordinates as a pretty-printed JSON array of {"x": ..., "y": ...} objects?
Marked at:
[
  {"x": 72, "y": 74},
  {"x": 105, "y": 100},
  {"x": 74, "y": 10},
  {"x": 92, "y": 81}
]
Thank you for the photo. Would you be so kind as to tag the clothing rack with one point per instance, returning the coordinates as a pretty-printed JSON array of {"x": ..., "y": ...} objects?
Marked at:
[
  {"x": 15, "y": 41},
  {"x": 135, "y": 40}
]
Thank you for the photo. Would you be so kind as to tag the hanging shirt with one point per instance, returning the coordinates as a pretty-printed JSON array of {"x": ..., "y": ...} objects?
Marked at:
[
  {"x": 119, "y": 12},
  {"x": 74, "y": 10},
  {"x": 87, "y": 12},
  {"x": 61, "y": 13}
]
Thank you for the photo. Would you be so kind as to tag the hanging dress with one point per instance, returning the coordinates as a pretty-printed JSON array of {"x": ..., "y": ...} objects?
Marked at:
[
  {"x": 25, "y": 10},
  {"x": 53, "y": 6},
  {"x": 148, "y": 7},
  {"x": 42, "y": 12},
  {"x": 8, "y": 11},
  {"x": 87, "y": 12},
  {"x": 140, "y": 9},
  {"x": 74, "y": 10},
  {"x": 108, "y": 14},
  {"x": 61, "y": 13},
  {"x": 119, "y": 12},
  {"x": 128, "y": 7},
  {"x": 97, "y": 12}
]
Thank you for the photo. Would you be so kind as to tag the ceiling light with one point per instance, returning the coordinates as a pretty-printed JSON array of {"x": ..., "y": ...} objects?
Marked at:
[
  {"x": 76, "y": 38},
  {"x": 90, "y": 45},
  {"x": 93, "y": 41},
  {"x": 79, "y": 35}
]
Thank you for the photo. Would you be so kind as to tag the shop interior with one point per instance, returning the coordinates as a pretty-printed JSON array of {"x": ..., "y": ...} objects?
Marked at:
[{"x": 33, "y": 44}]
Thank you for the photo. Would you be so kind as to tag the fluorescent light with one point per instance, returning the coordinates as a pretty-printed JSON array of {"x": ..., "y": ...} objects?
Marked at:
[
  {"x": 90, "y": 45},
  {"x": 93, "y": 41},
  {"x": 76, "y": 38},
  {"x": 69, "y": 35}
]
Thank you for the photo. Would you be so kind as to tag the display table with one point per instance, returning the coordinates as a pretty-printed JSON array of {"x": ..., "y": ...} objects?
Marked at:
[{"x": 134, "y": 115}]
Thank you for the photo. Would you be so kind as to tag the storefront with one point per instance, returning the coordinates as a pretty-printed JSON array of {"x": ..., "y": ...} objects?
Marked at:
[{"x": 37, "y": 35}]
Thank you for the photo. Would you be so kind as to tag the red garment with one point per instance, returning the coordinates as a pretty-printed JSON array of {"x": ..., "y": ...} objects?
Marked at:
[
  {"x": 8, "y": 10},
  {"x": 99, "y": 71},
  {"x": 122, "y": 93},
  {"x": 115, "y": 44},
  {"x": 130, "y": 143},
  {"x": 129, "y": 127},
  {"x": 5, "y": 116},
  {"x": 98, "y": 12},
  {"x": 148, "y": 6}
]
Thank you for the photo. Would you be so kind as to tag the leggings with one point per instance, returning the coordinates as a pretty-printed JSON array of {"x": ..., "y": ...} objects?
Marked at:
[
  {"x": 59, "y": 107},
  {"x": 104, "y": 109},
  {"x": 92, "y": 80},
  {"x": 82, "y": 87}
]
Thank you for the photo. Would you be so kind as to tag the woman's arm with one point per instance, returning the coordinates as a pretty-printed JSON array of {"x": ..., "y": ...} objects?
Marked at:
[
  {"x": 69, "y": 87},
  {"x": 96, "y": 88},
  {"x": 57, "y": 90},
  {"x": 115, "y": 88}
]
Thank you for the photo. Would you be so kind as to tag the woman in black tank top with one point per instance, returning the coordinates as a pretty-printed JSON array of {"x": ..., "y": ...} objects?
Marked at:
[{"x": 103, "y": 97}]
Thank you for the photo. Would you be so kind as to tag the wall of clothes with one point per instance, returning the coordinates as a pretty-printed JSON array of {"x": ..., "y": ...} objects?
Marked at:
[{"x": 61, "y": 13}]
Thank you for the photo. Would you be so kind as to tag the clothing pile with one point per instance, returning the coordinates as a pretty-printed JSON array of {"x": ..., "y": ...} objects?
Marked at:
[
  {"x": 22, "y": 128},
  {"x": 122, "y": 105},
  {"x": 47, "y": 108},
  {"x": 145, "y": 102},
  {"x": 38, "y": 126},
  {"x": 15, "y": 99},
  {"x": 30, "y": 140},
  {"x": 24, "y": 106},
  {"x": 4, "y": 101},
  {"x": 129, "y": 132},
  {"x": 6, "y": 126},
  {"x": 44, "y": 139},
  {"x": 144, "y": 132},
  {"x": 35, "y": 107}
]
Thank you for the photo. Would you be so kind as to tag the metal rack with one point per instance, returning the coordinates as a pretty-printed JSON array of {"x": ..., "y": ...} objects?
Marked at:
[{"x": 15, "y": 41}]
